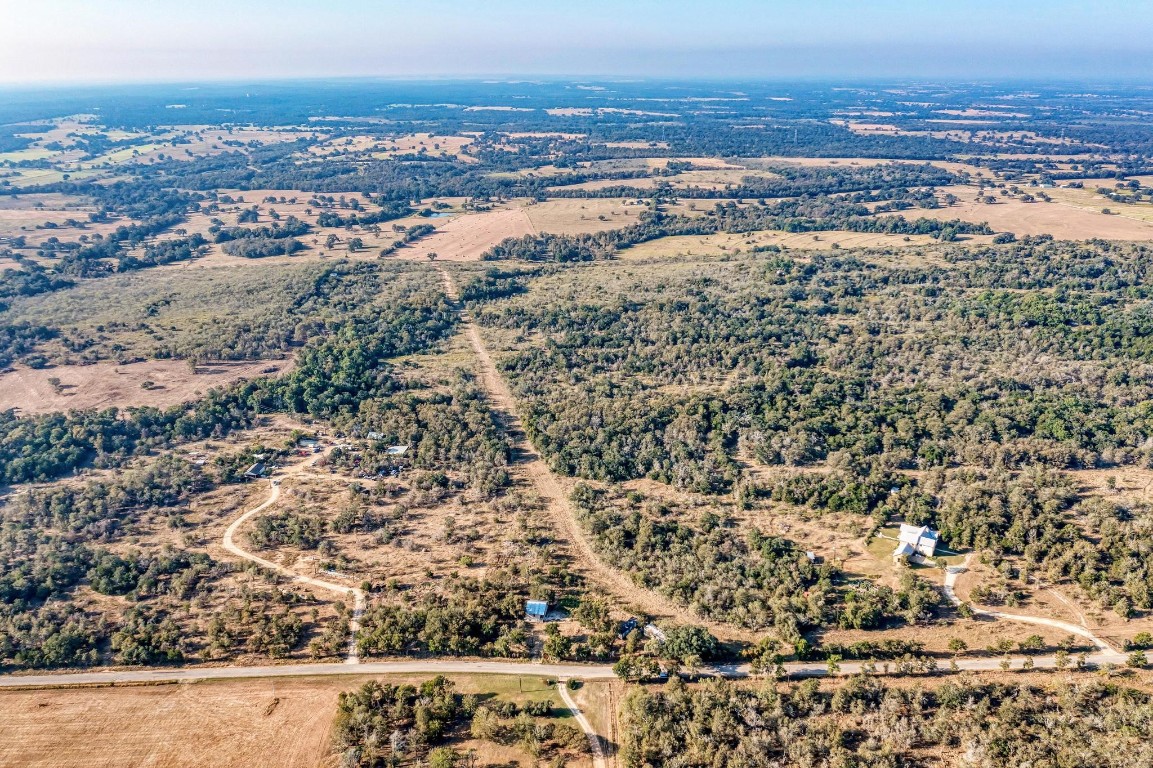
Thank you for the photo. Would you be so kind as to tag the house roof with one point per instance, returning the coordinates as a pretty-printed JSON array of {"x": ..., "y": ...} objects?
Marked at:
[
  {"x": 904, "y": 549},
  {"x": 536, "y": 607},
  {"x": 911, "y": 534},
  {"x": 920, "y": 539}
]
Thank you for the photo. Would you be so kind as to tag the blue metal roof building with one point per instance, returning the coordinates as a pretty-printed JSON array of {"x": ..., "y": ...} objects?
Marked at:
[{"x": 536, "y": 609}]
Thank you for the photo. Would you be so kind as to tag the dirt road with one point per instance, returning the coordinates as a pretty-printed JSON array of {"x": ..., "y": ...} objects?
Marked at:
[
  {"x": 358, "y": 598},
  {"x": 595, "y": 743},
  {"x": 551, "y": 490},
  {"x": 1105, "y": 651}
]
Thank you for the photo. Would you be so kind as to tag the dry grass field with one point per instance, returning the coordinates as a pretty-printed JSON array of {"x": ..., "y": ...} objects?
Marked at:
[
  {"x": 382, "y": 148},
  {"x": 570, "y": 217},
  {"x": 166, "y": 313},
  {"x": 271, "y": 723},
  {"x": 1088, "y": 199},
  {"x": 251, "y": 724},
  {"x": 25, "y": 216},
  {"x": 1062, "y": 221},
  {"x": 107, "y": 385},
  {"x": 466, "y": 237},
  {"x": 732, "y": 244}
]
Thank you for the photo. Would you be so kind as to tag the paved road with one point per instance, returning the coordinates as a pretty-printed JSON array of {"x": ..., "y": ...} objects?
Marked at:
[
  {"x": 461, "y": 666},
  {"x": 421, "y": 666}
]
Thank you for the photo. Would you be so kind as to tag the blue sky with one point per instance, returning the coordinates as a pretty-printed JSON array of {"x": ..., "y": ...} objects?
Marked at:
[{"x": 158, "y": 40}]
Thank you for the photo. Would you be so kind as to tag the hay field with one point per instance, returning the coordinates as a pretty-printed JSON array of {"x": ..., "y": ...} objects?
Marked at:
[
  {"x": 577, "y": 216},
  {"x": 466, "y": 237},
  {"x": 107, "y": 385},
  {"x": 733, "y": 244},
  {"x": 254, "y": 724},
  {"x": 1062, "y": 221}
]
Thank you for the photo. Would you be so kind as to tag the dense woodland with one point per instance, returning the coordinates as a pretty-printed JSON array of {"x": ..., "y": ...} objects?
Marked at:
[
  {"x": 990, "y": 366},
  {"x": 835, "y": 355},
  {"x": 867, "y": 722},
  {"x": 737, "y": 574}
]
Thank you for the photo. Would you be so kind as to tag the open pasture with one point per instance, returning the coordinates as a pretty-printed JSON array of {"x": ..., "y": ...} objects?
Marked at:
[
  {"x": 1061, "y": 220},
  {"x": 157, "y": 383}
]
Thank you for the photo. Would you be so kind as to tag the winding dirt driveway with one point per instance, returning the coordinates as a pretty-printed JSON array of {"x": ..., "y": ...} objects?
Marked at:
[
  {"x": 1106, "y": 652},
  {"x": 358, "y": 598}
]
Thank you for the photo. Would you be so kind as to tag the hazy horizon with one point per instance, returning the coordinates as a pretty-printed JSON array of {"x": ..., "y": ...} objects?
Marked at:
[{"x": 73, "y": 42}]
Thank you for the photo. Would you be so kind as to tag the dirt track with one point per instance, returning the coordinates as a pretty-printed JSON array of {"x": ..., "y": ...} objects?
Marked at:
[
  {"x": 230, "y": 544},
  {"x": 1106, "y": 652},
  {"x": 594, "y": 739},
  {"x": 552, "y": 491}
]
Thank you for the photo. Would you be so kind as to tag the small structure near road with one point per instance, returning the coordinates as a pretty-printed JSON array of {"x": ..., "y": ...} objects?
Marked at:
[
  {"x": 256, "y": 471},
  {"x": 535, "y": 610},
  {"x": 654, "y": 632}
]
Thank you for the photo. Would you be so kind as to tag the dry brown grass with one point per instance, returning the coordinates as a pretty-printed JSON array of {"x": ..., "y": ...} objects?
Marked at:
[
  {"x": 251, "y": 724},
  {"x": 1064, "y": 222},
  {"x": 385, "y": 148},
  {"x": 570, "y": 217},
  {"x": 466, "y": 237},
  {"x": 276, "y": 723},
  {"x": 733, "y": 244},
  {"x": 22, "y": 215},
  {"x": 107, "y": 385}
]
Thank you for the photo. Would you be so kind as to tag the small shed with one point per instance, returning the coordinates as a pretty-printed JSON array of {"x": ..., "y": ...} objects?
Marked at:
[
  {"x": 255, "y": 471},
  {"x": 536, "y": 610},
  {"x": 397, "y": 450},
  {"x": 656, "y": 633}
]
